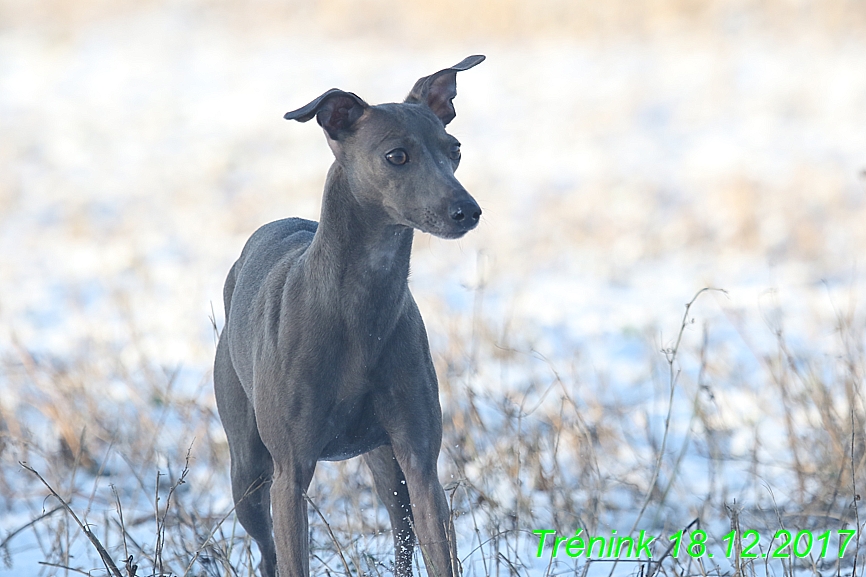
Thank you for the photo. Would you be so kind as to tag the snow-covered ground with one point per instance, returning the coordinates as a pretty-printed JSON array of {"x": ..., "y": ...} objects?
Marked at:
[{"x": 617, "y": 178}]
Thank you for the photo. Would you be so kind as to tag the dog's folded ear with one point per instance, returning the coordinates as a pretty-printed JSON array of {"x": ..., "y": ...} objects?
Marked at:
[
  {"x": 335, "y": 111},
  {"x": 438, "y": 90}
]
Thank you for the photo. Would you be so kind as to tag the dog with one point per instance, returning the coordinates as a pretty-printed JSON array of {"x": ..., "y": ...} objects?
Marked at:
[{"x": 324, "y": 354}]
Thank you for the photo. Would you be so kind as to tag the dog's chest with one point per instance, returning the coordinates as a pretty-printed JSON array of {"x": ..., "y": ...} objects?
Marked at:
[{"x": 353, "y": 429}]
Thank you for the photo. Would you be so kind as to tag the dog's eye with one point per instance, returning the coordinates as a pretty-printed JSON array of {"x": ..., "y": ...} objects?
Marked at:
[
  {"x": 397, "y": 156},
  {"x": 454, "y": 152}
]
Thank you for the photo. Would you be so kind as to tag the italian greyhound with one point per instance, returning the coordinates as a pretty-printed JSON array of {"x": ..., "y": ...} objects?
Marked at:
[{"x": 324, "y": 355}]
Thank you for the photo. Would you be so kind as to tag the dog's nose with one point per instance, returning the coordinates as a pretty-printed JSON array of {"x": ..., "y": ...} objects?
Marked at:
[{"x": 465, "y": 212}]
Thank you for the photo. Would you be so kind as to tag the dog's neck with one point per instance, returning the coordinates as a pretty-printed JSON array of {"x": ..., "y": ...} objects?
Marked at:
[{"x": 357, "y": 251}]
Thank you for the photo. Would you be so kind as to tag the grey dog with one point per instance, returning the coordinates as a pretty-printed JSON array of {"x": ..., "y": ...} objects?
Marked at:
[{"x": 324, "y": 355}]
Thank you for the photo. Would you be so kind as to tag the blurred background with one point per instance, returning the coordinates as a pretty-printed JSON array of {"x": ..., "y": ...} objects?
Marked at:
[{"x": 626, "y": 155}]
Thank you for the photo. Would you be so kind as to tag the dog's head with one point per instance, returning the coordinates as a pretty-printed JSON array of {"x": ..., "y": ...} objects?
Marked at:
[{"x": 398, "y": 156}]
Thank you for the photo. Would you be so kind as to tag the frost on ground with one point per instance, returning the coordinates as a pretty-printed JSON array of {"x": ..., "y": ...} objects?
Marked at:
[{"x": 617, "y": 178}]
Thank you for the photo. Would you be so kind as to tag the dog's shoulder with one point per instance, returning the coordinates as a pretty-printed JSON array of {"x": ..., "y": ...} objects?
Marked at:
[
  {"x": 280, "y": 231},
  {"x": 275, "y": 239},
  {"x": 268, "y": 246}
]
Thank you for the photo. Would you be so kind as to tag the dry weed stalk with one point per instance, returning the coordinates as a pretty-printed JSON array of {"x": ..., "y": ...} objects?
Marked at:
[{"x": 103, "y": 554}]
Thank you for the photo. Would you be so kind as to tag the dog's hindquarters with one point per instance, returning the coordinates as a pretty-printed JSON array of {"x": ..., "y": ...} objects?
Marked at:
[{"x": 251, "y": 464}]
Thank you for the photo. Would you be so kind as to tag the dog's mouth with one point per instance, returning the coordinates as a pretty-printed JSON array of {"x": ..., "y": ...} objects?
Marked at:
[
  {"x": 432, "y": 223},
  {"x": 449, "y": 235}
]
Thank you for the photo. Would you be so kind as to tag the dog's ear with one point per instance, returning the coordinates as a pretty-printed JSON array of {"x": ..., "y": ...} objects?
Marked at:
[
  {"x": 335, "y": 111},
  {"x": 438, "y": 90}
]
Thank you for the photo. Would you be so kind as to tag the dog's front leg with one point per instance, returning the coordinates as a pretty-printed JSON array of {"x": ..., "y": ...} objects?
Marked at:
[
  {"x": 432, "y": 518},
  {"x": 414, "y": 425},
  {"x": 407, "y": 406},
  {"x": 392, "y": 490}
]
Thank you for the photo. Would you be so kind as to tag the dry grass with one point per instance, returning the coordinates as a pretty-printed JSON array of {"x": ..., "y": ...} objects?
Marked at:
[{"x": 550, "y": 451}]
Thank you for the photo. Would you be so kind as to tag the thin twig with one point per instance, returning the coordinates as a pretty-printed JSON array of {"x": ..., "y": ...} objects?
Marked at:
[
  {"x": 160, "y": 524},
  {"x": 252, "y": 489},
  {"x": 65, "y": 567},
  {"x": 670, "y": 356},
  {"x": 212, "y": 319},
  {"x": 330, "y": 532},
  {"x": 126, "y": 554},
  {"x": 695, "y": 522},
  {"x": 11, "y": 535},
  {"x": 103, "y": 554}
]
